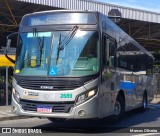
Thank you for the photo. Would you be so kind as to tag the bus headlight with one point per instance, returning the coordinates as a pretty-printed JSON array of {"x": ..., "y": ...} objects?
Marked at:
[
  {"x": 16, "y": 95},
  {"x": 86, "y": 96}
]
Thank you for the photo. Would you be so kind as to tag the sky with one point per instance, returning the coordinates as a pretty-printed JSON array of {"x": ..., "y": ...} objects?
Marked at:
[{"x": 150, "y": 5}]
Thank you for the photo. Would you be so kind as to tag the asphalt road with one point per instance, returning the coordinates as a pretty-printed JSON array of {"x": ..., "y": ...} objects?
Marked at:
[{"x": 148, "y": 121}]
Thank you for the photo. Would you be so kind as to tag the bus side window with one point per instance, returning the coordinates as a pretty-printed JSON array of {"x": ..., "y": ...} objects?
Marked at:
[{"x": 110, "y": 51}]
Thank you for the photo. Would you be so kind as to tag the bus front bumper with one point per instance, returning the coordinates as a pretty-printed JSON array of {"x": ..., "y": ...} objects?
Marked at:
[{"x": 88, "y": 109}]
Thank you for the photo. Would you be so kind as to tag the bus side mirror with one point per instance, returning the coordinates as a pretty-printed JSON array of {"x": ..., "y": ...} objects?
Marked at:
[
  {"x": 12, "y": 36},
  {"x": 8, "y": 46}
]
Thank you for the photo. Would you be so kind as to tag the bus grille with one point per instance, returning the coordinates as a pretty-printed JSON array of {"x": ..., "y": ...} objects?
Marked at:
[
  {"x": 54, "y": 84},
  {"x": 56, "y": 107}
]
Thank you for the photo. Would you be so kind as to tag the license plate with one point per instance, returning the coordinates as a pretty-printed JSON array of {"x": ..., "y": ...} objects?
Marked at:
[{"x": 44, "y": 109}]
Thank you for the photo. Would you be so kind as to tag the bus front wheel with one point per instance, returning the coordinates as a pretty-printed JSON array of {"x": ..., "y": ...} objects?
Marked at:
[{"x": 118, "y": 108}]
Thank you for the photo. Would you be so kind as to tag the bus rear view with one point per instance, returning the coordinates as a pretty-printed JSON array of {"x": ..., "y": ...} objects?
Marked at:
[{"x": 57, "y": 65}]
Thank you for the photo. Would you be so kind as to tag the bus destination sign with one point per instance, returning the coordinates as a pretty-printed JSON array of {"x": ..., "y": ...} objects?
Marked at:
[{"x": 59, "y": 18}]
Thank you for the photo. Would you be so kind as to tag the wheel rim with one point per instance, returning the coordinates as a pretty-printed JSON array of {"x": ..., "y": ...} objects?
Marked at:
[{"x": 117, "y": 108}]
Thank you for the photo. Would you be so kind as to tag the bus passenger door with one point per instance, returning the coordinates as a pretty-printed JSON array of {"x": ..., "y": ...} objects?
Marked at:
[{"x": 108, "y": 73}]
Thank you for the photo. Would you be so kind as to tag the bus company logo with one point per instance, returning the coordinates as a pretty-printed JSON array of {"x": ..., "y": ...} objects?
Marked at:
[
  {"x": 45, "y": 96},
  {"x": 47, "y": 87},
  {"x": 30, "y": 95},
  {"x": 33, "y": 94}
]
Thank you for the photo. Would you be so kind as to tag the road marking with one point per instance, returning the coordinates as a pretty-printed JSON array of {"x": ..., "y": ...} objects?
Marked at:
[{"x": 148, "y": 134}]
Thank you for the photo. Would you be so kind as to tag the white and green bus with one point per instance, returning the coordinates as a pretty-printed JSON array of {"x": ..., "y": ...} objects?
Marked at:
[{"x": 78, "y": 65}]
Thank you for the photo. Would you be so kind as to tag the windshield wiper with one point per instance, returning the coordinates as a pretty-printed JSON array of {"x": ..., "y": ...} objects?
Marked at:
[
  {"x": 66, "y": 40},
  {"x": 59, "y": 48},
  {"x": 40, "y": 43}
]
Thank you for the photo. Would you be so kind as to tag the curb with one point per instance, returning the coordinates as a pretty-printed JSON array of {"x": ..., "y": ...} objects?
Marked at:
[
  {"x": 13, "y": 117},
  {"x": 155, "y": 102}
]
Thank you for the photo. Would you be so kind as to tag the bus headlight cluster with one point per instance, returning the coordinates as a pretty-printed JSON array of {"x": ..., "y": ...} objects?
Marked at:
[
  {"x": 16, "y": 95},
  {"x": 86, "y": 96}
]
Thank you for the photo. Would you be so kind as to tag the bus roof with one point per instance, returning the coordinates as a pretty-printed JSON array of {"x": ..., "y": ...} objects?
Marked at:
[{"x": 61, "y": 11}]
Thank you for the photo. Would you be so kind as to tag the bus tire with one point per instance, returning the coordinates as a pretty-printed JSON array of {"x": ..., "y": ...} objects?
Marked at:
[
  {"x": 118, "y": 108},
  {"x": 56, "y": 119},
  {"x": 144, "y": 102}
]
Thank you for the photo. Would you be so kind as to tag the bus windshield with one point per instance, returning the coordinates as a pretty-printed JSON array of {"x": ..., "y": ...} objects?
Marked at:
[{"x": 52, "y": 54}]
